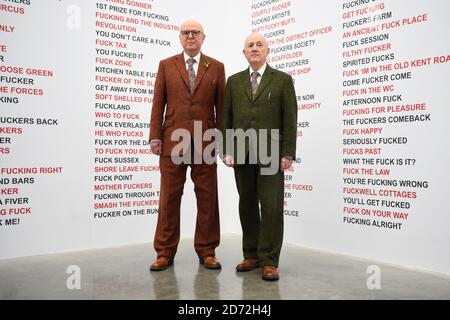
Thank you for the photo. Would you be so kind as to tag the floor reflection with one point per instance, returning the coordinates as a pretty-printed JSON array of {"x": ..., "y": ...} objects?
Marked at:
[
  {"x": 206, "y": 284},
  {"x": 253, "y": 287},
  {"x": 165, "y": 284}
]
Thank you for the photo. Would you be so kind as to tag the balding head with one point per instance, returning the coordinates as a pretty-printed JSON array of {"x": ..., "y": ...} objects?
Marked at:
[
  {"x": 256, "y": 50},
  {"x": 191, "y": 37},
  {"x": 191, "y": 25},
  {"x": 255, "y": 36}
]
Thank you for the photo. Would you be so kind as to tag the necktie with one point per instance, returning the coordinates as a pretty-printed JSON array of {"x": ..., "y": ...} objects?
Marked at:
[
  {"x": 254, "y": 82},
  {"x": 191, "y": 74}
]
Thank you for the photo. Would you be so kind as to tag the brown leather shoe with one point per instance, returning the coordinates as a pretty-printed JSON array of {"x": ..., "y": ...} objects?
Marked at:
[
  {"x": 248, "y": 265},
  {"x": 270, "y": 273},
  {"x": 210, "y": 262},
  {"x": 160, "y": 264}
]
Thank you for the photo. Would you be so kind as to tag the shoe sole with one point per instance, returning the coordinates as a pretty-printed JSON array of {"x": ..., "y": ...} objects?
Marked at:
[
  {"x": 271, "y": 278},
  {"x": 213, "y": 268}
]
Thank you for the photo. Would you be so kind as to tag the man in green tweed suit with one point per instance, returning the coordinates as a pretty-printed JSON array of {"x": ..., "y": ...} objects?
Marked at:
[{"x": 259, "y": 123}]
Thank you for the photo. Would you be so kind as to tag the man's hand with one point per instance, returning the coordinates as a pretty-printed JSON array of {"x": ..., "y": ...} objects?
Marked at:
[
  {"x": 228, "y": 160},
  {"x": 156, "y": 146},
  {"x": 286, "y": 163}
]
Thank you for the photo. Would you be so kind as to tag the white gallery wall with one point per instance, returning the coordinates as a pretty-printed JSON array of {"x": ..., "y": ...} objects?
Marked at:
[{"x": 371, "y": 77}]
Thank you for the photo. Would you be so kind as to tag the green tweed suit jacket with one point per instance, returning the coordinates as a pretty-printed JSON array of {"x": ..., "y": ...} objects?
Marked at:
[{"x": 274, "y": 106}]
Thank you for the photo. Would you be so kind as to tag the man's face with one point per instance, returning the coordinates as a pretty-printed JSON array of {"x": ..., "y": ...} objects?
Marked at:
[
  {"x": 191, "y": 41},
  {"x": 256, "y": 50}
]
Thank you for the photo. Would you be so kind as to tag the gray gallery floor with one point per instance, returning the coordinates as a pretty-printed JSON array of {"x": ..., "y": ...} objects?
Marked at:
[{"x": 122, "y": 273}]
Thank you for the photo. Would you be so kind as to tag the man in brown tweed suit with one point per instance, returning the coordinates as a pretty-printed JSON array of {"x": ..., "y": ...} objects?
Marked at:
[{"x": 189, "y": 92}]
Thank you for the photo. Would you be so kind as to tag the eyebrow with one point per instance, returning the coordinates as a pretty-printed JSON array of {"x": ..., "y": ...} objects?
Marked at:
[{"x": 259, "y": 42}]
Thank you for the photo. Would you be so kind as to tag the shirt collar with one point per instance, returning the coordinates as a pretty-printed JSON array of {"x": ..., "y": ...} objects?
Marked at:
[
  {"x": 260, "y": 70},
  {"x": 197, "y": 57}
]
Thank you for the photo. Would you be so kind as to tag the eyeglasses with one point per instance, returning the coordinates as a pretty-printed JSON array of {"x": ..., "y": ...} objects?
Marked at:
[{"x": 195, "y": 33}]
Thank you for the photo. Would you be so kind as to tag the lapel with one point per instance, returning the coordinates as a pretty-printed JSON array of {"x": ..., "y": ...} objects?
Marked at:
[
  {"x": 265, "y": 80},
  {"x": 267, "y": 77},
  {"x": 181, "y": 66},
  {"x": 201, "y": 70},
  {"x": 247, "y": 83}
]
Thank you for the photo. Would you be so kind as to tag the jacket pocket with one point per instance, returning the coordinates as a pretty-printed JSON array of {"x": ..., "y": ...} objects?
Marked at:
[
  {"x": 168, "y": 123},
  {"x": 211, "y": 124},
  {"x": 169, "y": 112}
]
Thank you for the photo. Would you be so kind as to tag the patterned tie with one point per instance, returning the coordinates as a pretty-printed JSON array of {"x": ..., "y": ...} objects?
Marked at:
[
  {"x": 191, "y": 74},
  {"x": 254, "y": 82}
]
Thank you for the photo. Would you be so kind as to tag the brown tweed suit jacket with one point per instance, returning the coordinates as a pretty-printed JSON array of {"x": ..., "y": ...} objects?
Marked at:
[{"x": 173, "y": 105}]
